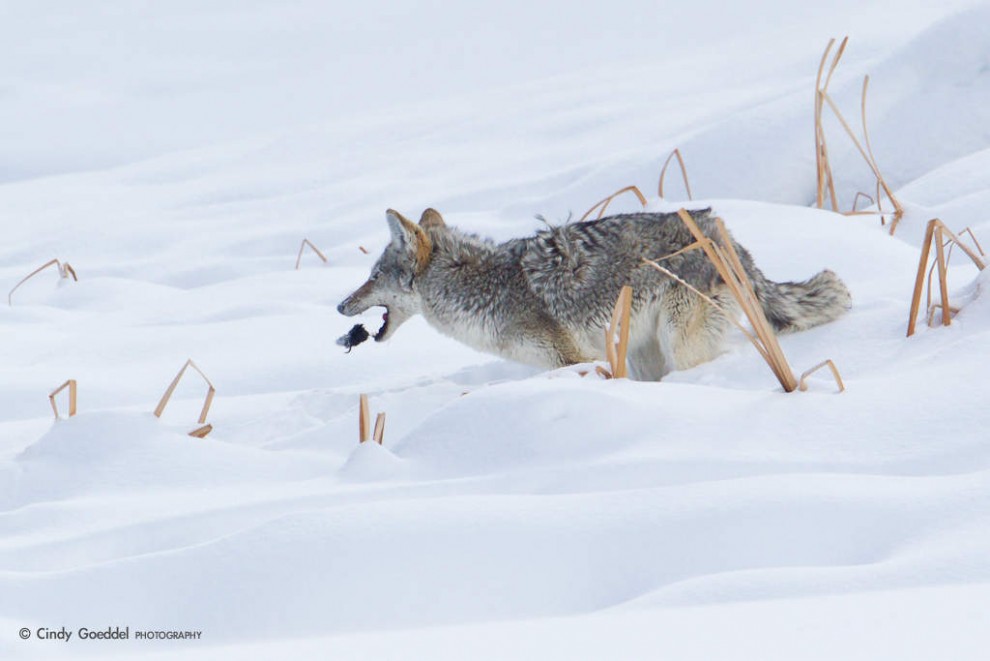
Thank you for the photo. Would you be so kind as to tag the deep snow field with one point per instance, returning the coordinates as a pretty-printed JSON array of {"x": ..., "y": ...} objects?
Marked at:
[{"x": 177, "y": 155}]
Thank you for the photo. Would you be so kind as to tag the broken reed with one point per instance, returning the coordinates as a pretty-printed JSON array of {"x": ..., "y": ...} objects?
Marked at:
[
  {"x": 802, "y": 383},
  {"x": 726, "y": 261},
  {"x": 64, "y": 271},
  {"x": 616, "y": 350},
  {"x": 71, "y": 385},
  {"x": 364, "y": 423},
  {"x": 825, "y": 178},
  {"x": 948, "y": 260},
  {"x": 936, "y": 232},
  {"x": 602, "y": 205},
  {"x": 204, "y": 429},
  {"x": 302, "y": 246},
  {"x": 663, "y": 174}
]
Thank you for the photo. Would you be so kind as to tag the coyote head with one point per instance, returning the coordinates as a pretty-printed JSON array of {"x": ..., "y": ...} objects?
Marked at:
[{"x": 393, "y": 276}]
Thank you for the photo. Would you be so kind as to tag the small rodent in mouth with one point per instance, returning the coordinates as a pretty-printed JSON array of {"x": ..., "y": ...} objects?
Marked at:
[{"x": 354, "y": 337}]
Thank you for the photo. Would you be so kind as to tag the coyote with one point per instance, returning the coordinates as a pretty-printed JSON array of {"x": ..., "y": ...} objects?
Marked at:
[{"x": 545, "y": 300}]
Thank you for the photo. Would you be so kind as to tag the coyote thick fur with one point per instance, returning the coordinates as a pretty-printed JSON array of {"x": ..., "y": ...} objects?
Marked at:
[{"x": 545, "y": 300}]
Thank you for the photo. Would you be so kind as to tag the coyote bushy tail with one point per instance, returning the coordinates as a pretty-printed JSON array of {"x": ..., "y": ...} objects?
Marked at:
[{"x": 797, "y": 306}]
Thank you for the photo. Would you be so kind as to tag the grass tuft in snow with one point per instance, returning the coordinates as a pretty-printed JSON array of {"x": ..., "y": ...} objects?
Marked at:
[
  {"x": 825, "y": 178},
  {"x": 936, "y": 232}
]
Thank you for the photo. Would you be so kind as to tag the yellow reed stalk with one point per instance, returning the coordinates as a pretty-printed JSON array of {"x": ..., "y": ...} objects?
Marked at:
[
  {"x": 620, "y": 322},
  {"x": 64, "y": 271},
  {"x": 319, "y": 253},
  {"x": 942, "y": 273},
  {"x": 825, "y": 363},
  {"x": 71, "y": 385},
  {"x": 379, "y": 434},
  {"x": 856, "y": 200},
  {"x": 936, "y": 231},
  {"x": 201, "y": 432},
  {"x": 919, "y": 281},
  {"x": 603, "y": 204},
  {"x": 663, "y": 174},
  {"x": 175, "y": 382},
  {"x": 364, "y": 419},
  {"x": 822, "y": 165},
  {"x": 726, "y": 261}
]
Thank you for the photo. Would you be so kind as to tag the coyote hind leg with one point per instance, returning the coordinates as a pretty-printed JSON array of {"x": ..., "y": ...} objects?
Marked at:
[{"x": 694, "y": 328}]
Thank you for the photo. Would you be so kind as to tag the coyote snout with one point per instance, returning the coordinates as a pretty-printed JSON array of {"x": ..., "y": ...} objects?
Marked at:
[{"x": 545, "y": 300}]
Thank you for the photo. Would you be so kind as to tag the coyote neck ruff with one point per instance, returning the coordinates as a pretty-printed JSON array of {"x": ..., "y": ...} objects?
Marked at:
[{"x": 546, "y": 300}]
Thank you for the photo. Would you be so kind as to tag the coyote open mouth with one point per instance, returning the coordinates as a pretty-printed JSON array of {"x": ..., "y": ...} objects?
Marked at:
[
  {"x": 380, "y": 335},
  {"x": 358, "y": 334}
]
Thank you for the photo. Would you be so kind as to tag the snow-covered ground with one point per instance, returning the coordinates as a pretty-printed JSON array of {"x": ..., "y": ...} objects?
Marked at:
[{"x": 176, "y": 155}]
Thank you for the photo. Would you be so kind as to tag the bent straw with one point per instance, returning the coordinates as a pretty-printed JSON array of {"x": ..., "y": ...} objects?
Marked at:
[
  {"x": 319, "y": 253},
  {"x": 936, "y": 230},
  {"x": 726, "y": 261},
  {"x": 64, "y": 271},
  {"x": 856, "y": 199},
  {"x": 608, "y": 200},
  {"x": 71, "y": 385},
  {"x": 175, "y": 382},
  {"x": 835, "y": 374},
  {"x": 663, "y": 173}
]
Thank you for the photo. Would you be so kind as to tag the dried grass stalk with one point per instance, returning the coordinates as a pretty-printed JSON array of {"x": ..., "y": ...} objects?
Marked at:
[
  {"x": 919, "y": 281},
  {"x": 976, "y": 241},
  {"x": 175, "y": 382},
  {"x": 379, "y": 434},
  {"x": 942, "y": 274},
  {"x": 715, "y": 304},
  {"x": 363, "y": 249},
  {"x": 867, "y": 153},
  {"x": 616, "y": 355},
  {"x": 729, "y": 266},
  {"x": 319, "y": 253},
  {"x": 603, "y": 204},
  {"x": 663, "y": 174},
  {"x": 856, "y": 200},
  {"x": 825, "y": 363},
  {"x": 953, "y": 310},
  {"x": 71, "y": 385},
  {"x": 201, "y": 432},
  {"x": 364, "y": 419},
  {"x": 602, "y": 372},
  {"x": 881, "y": 182},
  {"x": 936, "y": 231},
  {"x": 823, "y": 168},
  {"x": 64, "y": 271}
]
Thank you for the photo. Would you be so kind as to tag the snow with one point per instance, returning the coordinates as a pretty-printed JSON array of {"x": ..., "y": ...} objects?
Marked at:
[{"x": 176, "y": 156}]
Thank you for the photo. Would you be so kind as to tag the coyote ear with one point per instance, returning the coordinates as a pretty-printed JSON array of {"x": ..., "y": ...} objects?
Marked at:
[
  {"x": 410, "y": 236},
  {"x": 431, "y": 218}
]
